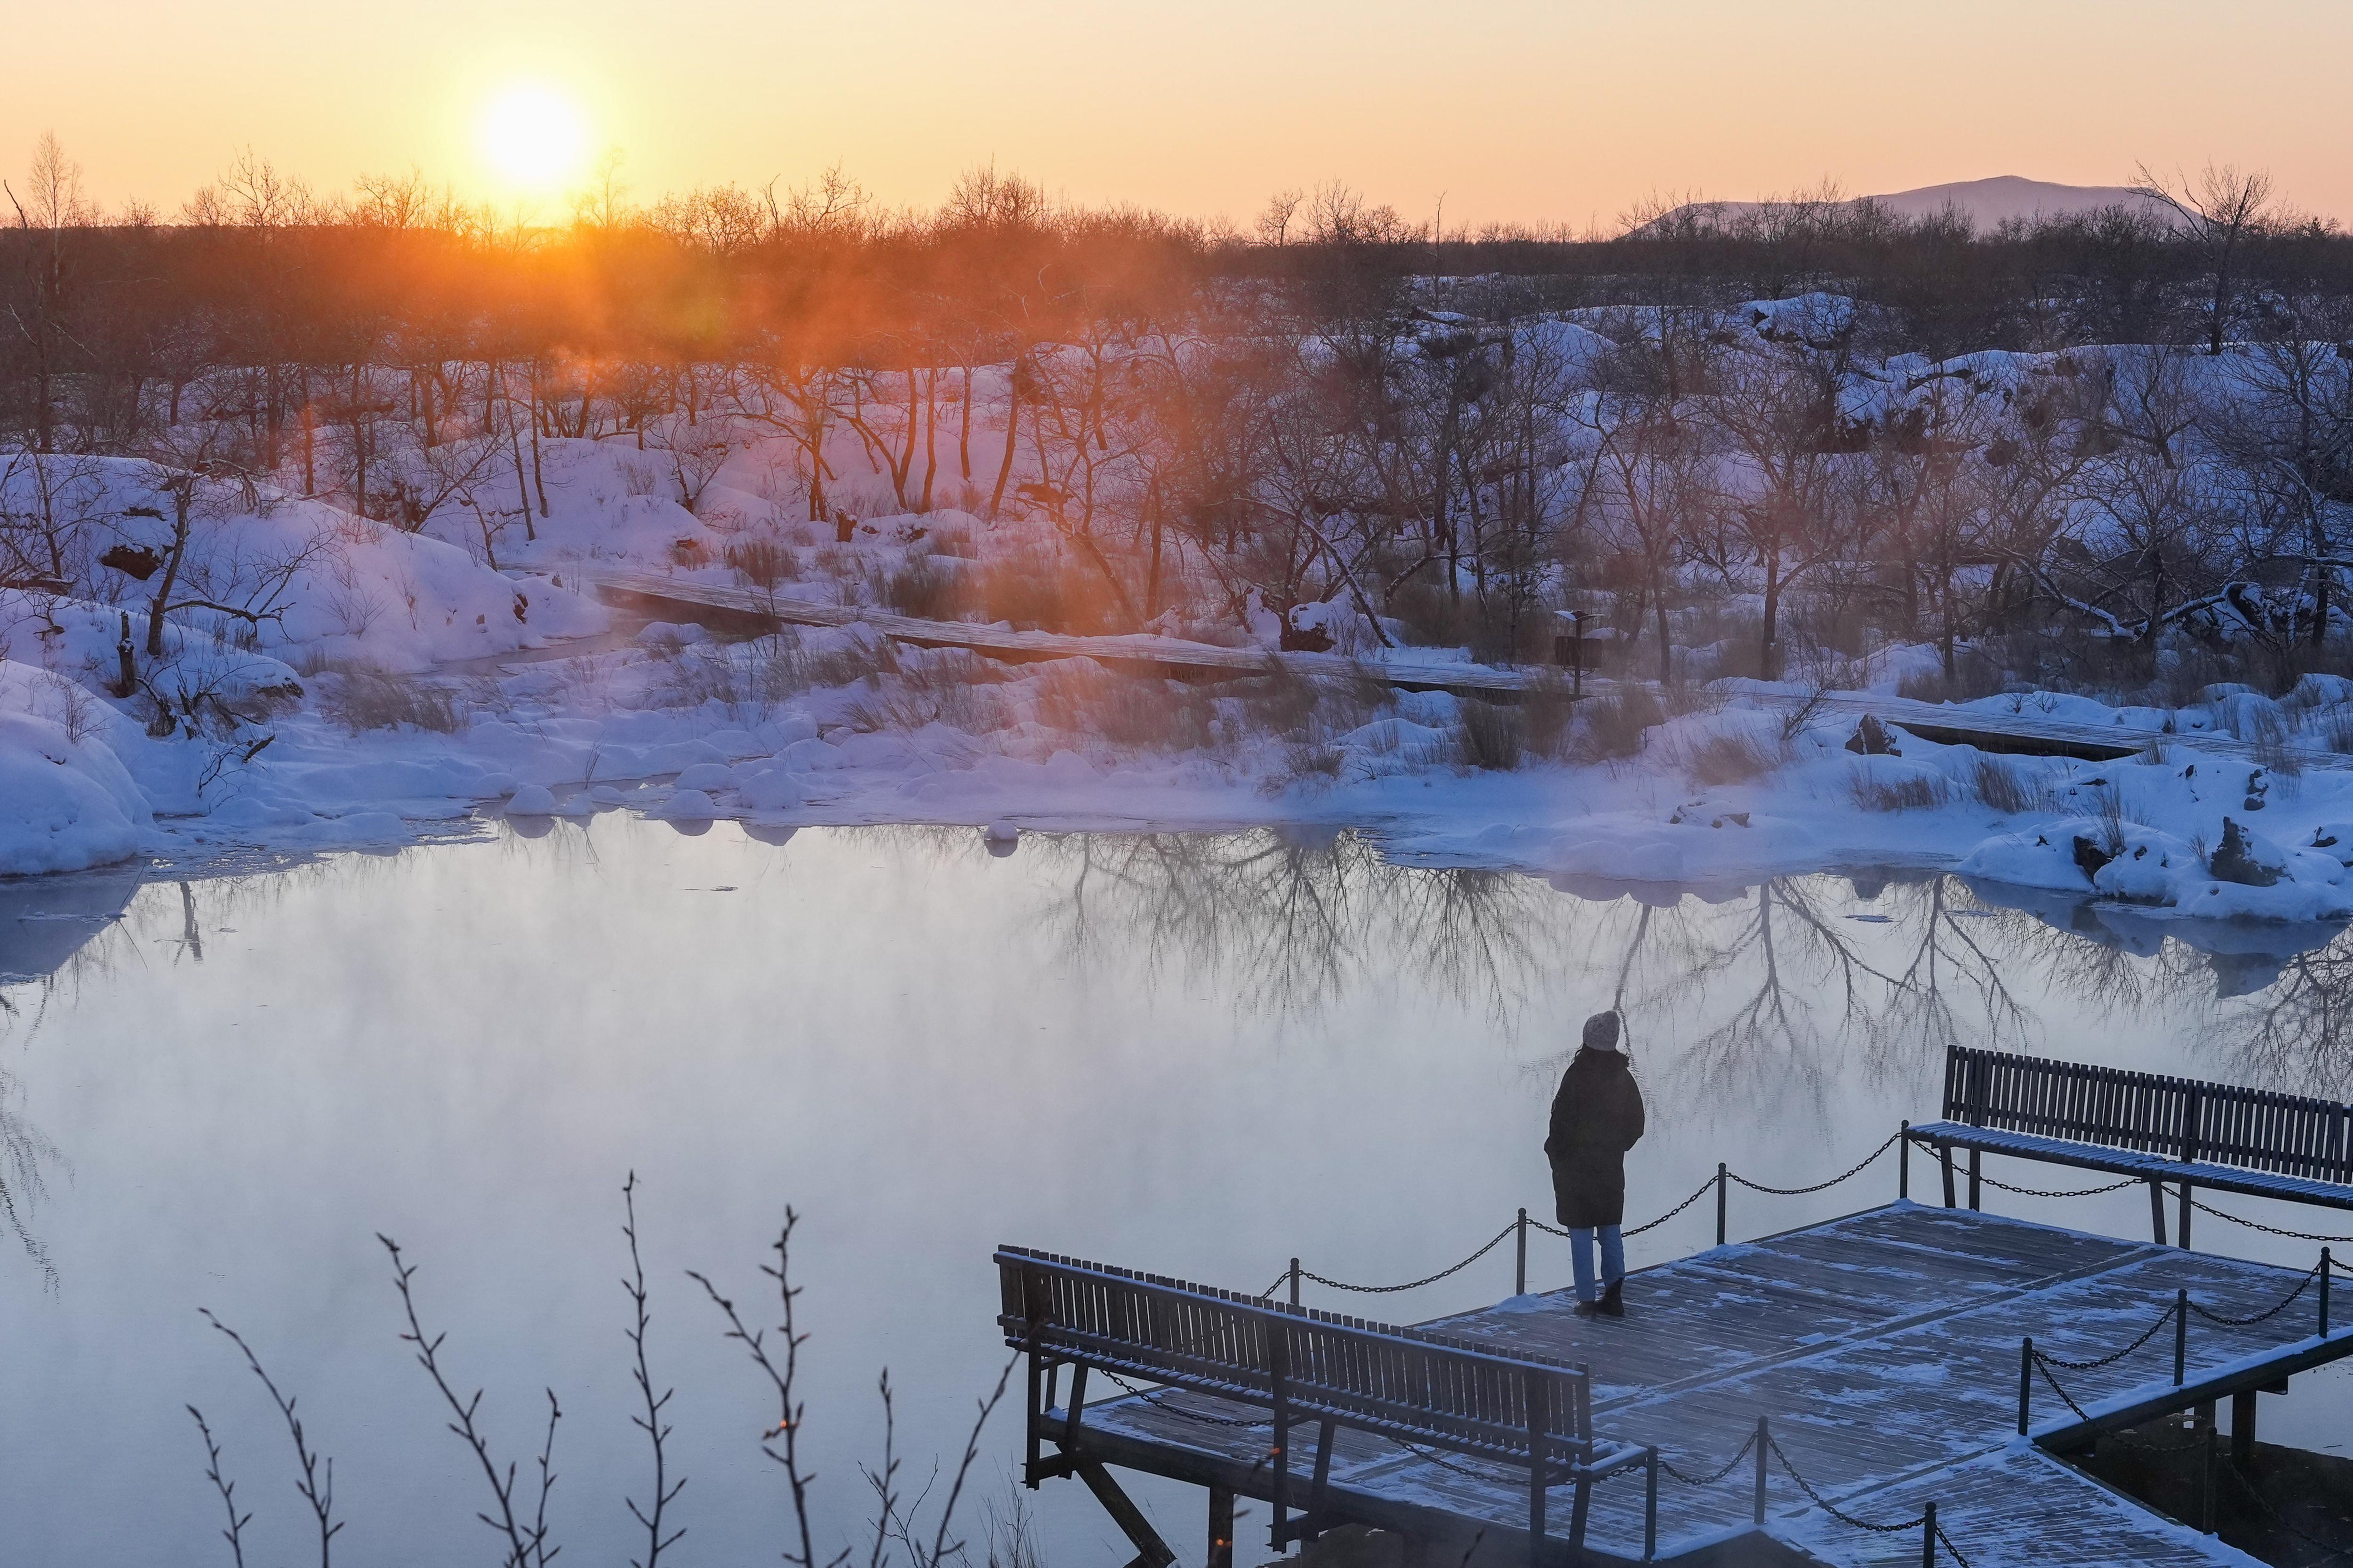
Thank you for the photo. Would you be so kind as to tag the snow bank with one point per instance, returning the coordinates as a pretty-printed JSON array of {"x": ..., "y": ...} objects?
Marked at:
[{"x": 67, "y": 803}]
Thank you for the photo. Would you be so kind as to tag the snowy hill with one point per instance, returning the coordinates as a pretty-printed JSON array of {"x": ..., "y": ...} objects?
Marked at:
[{"x": 1986, "y": 202}]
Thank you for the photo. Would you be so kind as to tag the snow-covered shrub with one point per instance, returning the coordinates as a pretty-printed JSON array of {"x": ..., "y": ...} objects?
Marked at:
[{"x": 360, "y": 699}]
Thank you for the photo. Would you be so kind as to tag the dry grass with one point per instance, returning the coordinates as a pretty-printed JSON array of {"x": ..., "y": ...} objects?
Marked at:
[
  {"x": 360, "y": 698},
  {"x": 1082, "y": 698},
  {"x": 763, "y": 563},
  {"x": 1547, "y": 713},
  {"x": 1733, "y": 757},
  {"x": 1614, "y": 727},
  {"x": 922, "y": 587},
  {"x": 1906, "y": 792},
  {"x": 1998, "y": 784},
  {"x": 1490, "y": 736}
]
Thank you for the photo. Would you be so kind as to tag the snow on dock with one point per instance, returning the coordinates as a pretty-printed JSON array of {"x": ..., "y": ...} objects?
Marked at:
[{"x": 1884, "y": 1352}]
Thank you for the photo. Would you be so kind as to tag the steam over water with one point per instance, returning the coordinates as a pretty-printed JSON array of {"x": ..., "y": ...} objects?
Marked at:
[{"x": 1198, "y": 1055}]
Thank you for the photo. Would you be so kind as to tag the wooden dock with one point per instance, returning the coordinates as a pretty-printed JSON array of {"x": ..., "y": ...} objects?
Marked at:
[
  {"x": 1884, "y": 1352},
  {"x": 2025, "y": 731}
]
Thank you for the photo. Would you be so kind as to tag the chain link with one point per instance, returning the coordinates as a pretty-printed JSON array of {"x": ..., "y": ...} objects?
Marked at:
[
  {"x": 1817, "y": 1186},
  {"x": 1157, "y": 1402},
  {"x": 2274, "y": 1311},
  {"x": 1711, "y": 1479},
  {"x": 1412, "y": 1284},
  {"x": 2270, "y": 1229},
  {"x": 1832, "y": 1508},
  {"x": 2061, "y": 1192},
  {"x": 2162, "y": 1319},
  {"x": 2118, "y": 1433}
]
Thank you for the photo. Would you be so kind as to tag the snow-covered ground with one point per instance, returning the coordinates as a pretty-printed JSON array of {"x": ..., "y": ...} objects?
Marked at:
[{"x": 375, "y": 686}]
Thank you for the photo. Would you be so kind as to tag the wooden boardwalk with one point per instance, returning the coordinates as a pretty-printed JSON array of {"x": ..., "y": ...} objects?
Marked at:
[
  {"x": 2024, "y": 731},
  {"x": 1883, "y": 1349}
]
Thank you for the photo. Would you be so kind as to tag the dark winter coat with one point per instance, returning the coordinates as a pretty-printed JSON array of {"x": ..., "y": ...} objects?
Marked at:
[{"x": 1597, "y": 1116}]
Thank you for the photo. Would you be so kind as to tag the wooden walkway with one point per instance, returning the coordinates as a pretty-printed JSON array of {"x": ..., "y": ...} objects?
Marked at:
[
  {"x": 2026, "y": 732},
  {"x": 1883, "y": 1348}
]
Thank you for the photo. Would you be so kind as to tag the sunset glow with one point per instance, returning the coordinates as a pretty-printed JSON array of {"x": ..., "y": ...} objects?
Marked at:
[{"x": 533, "y": 137}]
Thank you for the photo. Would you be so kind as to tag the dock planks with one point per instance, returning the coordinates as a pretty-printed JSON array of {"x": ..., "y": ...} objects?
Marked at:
[{"x": 1882, "y": 1348}]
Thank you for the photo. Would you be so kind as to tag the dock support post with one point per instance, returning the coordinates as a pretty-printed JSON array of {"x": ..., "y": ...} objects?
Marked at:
[
  {"x": 1764, "y": 1449},
  {"x": 1929, "y": 1537},
  {"x": 1945, "y": 1159},
  {"x": 2180, "y": 1335},
  {"x": 1720, "y": 1174},
  {"x": 1532, "y": 1400},
  {"x": 2326, "y": 1268},
  {"x": 2184, "y": 1227},
  {"x": 1151, "y": 1551},
  {"x": 1903, "y": 1162},
  {"x": 1294, "y": 1281},
  {"x": 2242, "y": 1429},
  {"x": 1520, "y": 1273},
  {"x": 1222, "y": 1527},
  {"x": 2025, "y": 1379},
  {"x": 2206, "y": 1476},
  {"x": 2156, "y": 1210},
  {"x": 1650, "y": 1503},
  {"x": 1279, "y": 1375},
  {"x": 1977, "y": 1158}
]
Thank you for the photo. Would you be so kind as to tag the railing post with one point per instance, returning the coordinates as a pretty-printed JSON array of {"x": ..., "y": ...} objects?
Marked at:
[
  {"x": 1929, "y": 1537},
  {"x": 1520, "y": 1275},
  {"x": 2327, "y": 1268},
  {"x": 2181, "y": 1336},
  {"x": 1651, "y": 1505},
  {"x": 2206, "y": 1480},
  {"x": 1764, "y": 1447},
  {"x": 1720, "y": 1174},
  {"x": 1294, "y": 1281},
  {"x": 1904, "y": 1162},
  {"x": 2025, "y": 1379}
]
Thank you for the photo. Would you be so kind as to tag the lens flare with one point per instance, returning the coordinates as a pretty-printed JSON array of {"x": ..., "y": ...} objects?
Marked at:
[{"x": 533, "y": 136}]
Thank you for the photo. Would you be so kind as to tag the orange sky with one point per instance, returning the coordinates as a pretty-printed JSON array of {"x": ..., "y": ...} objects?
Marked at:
[{"x": 1510, "y": 109}]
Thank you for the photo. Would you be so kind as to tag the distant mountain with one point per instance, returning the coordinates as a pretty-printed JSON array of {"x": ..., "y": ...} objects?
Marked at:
[{"x": 1986, "y": 202}]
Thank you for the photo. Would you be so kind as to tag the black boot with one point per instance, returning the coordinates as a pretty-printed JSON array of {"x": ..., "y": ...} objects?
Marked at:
[{"x": 1612, "y": 1303}]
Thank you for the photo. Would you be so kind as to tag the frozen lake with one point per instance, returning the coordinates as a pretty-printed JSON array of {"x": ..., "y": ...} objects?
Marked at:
[{"x": 1197, "y": 1054}]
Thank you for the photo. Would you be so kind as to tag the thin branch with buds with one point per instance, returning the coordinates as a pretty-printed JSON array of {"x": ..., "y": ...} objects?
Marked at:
[
  {"x": 235, "y": 1533},
  {"x": 318, "y": 1483},
  {"x": 526, "y": 1545},
  {"x": 656, "y": 1429}
]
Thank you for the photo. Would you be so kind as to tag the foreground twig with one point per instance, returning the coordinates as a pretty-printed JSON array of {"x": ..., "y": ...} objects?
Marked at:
[
  {"x": 526, "y": 1545},
  {"x": 318, "y": 1483},
  {"x": 788, "y": 1417},
  {"x": 235, "y": 1533},
  {"x": 656, "y": 1429}
]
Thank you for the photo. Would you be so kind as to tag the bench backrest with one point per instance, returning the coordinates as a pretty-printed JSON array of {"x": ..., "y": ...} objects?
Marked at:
[
  {"x": 2175, "y": 1118},
  {"x": 1403, "y": 1382}
]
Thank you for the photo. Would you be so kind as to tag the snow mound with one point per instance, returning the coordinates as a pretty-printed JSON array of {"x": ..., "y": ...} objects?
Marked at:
[{"x": 67, "y": 803}]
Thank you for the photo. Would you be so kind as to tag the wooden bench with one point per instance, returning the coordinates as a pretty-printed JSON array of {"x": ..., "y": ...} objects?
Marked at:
[
  {"x": 2142, "y": 1125},
  {"x": 1300, "y": 1365}
]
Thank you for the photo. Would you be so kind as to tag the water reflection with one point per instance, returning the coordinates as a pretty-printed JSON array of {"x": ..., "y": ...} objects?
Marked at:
[{"x": 1198, "y": 1053}]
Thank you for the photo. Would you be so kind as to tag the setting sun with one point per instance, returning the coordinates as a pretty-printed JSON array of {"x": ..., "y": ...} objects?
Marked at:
[{"x": 533, "y": 136}]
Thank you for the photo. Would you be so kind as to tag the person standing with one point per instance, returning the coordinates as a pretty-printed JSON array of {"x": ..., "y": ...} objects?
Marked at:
[{"x": 1597, "y": 1116}]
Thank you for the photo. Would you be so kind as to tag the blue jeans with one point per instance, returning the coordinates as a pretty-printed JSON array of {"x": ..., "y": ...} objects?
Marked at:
[{"x": 1613, "y": 1260}]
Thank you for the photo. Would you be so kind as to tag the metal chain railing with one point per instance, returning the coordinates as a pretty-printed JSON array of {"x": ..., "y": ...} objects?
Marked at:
[
  {"x": 2274, "y": 1311},
  {"x": 2120, "y": 1433},
  {"x": 1154, "y": 1400},
  {"x": 1709, "y": 1480},
  {"x": 1412, "y": 1284},
  {"x": 2060, "y": 1192},
  {"x": 2162, "y": 1319},
  {"x": 2268, "y": 1230},
  {"x": 1853, "y": 1170}
]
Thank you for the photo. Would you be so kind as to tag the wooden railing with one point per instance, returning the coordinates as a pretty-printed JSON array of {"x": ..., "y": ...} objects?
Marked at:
[
  {"x": 2173, "y": 1118},
  {"x": 1302, "y": 1365}
]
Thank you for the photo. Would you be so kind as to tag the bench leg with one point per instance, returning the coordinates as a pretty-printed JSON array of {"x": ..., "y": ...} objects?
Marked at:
[
  {"x": 1945, "y": 1159},
  {"x": 2184, "y": 1227},
  {"x": 1222, "y": 1527},
  {"x": 2157, "y": 1211},
  {"x": 1977, "y": 1158},
  {"x": 2242, "y": 1429}
]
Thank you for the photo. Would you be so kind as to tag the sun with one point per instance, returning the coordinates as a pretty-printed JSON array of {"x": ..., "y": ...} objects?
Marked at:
[{"x": 534, "y": 135}]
